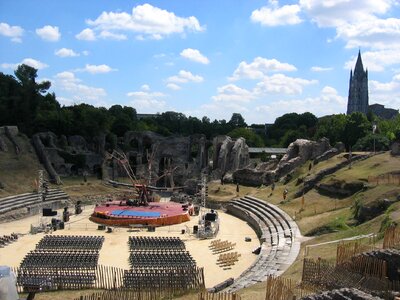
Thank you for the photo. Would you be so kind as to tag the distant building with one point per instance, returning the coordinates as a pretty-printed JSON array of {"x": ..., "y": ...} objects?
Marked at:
[
  {"x": 382, "y": 112},
  {"x": 358, "y": 88}
]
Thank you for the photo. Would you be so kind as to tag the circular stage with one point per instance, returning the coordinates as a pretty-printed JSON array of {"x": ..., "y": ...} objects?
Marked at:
[{"x": 119, "y": 213}]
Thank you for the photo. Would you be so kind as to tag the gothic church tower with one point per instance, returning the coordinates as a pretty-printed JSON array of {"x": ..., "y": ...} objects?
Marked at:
[{"x": 358, "y": 88}]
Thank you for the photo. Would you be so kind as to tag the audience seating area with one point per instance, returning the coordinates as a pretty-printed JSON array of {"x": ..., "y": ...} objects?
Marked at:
[
  {"x": 61, "y": 262},
  {"x": 277, "y": 233},
  {"x": 8, "y": 239},
  {"x": 160, "y": 262},
  {"x": 71, "y": 242}
]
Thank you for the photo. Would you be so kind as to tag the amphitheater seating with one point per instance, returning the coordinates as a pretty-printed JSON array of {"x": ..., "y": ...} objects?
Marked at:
[
  {"x": 160, "y": 259},
  {"x": 276, "y": 231},
  {"x": 11, "y": 203}
]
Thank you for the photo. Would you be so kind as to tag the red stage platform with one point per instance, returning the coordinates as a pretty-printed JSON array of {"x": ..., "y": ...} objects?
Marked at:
[{"x": 118, "y": 213}]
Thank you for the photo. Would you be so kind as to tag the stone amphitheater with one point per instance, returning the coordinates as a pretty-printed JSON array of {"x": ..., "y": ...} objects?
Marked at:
[{"x": 278, "y": 237}]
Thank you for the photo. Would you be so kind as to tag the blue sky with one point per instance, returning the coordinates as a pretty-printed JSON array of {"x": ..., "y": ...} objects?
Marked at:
[{"x": 206, "y": 58}]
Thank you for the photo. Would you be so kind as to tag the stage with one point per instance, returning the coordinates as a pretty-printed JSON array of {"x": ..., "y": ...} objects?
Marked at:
[{"x": 117, "y": 213}]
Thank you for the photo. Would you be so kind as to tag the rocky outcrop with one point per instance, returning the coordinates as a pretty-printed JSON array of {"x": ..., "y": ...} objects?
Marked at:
[
  {"x": 326, "y": 155},
  {"x": 230, "y": 154},
  {"x": 3, "y": 145},
  {"x": 340, "y": 189},
  {"x": 395, "y": 148},
  {"x": 297, "y": 154},
  {"x": 44, "y": 158},
  {"x": 11, "y": 132},
  {"x": 342, "y": 294},
  {"x": 372, "y": 209}
]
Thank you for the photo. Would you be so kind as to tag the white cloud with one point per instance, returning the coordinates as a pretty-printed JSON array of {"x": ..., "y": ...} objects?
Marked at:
[
  {"x": 85, "y": 52},
  {"x": 107, "y": 35},
  {"x": 259, "y": 67},
  {"x": 334, "y": 13},
  {"x": 146, "y": 100},
  {"x": 65, "y": 52},
  {"x": 282, "y": 84},
  {"x": 14, "y": 32},
  {"x": 321, "y": 69},
  {"x": 195, "y": 55},
  {"x": 49, "y": 33},
  {"x": 276, "y": 16},
  {"x": 86, "y": 35},
  {"x": 358, "y": 23},
  {"x": 233, "y": 93},
  {"x": 34, "y": 63},
  {"x": 328, "y": 102},
  {"x": 96, "y": 69},
  {"x": 173, "y": 86},
  {"x": 78, "y": 92},
  {"x": 386, "y": 93},
  {"x": 184, "y": 77},
  {"x": 376, "y": 61},
  {"x": 147, "y": 21},
  {"x": 145, "y": 87},
  {"x": 373, "y": 32}
]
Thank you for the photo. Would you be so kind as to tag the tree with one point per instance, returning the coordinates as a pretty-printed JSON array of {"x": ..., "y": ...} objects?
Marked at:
[
  {"x": 357, "y": 126},
  {"x": 252, "y": 139},
  {"x": 332, "y": 127},
  {"x": 237, "y": 121}
]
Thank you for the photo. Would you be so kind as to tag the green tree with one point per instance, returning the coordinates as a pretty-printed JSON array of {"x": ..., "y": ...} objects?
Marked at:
[
  {"x": 357, "y": 126},
  {"x": 252, "y": 139},
  {"x": 332, "y": 127}
]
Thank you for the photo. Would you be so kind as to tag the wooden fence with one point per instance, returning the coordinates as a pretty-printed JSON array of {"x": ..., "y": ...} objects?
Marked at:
[
  {"x": 101, "y": 277},
  {"x": 346, "y": 251},
  {"x": 391, "y": 238},
  {"x": 152, "y": 295},
  {"x": 384, "y": 179},
  {"x": 280, "y": 288},
  {"x": 364, "y": 273}
]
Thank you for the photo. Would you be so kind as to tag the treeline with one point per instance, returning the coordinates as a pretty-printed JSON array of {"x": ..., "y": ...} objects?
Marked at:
[{"x": 28, "y": 104}]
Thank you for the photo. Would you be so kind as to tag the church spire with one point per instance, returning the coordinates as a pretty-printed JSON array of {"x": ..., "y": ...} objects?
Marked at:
[{"x": 359, "y": 68}]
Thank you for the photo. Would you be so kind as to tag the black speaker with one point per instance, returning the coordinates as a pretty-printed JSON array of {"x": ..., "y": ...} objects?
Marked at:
[
  {"x": 151, "y": 229},
  {"x": 47, "y": 212},
  {"x": 61, "y": 225},
  {"x": 195, "y": 229}
]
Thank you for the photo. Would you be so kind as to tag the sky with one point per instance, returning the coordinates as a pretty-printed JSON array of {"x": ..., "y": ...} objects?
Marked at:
[{"x": 211, "y": 58}]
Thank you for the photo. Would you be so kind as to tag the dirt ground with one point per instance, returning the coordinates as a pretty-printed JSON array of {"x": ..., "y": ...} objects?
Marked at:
[{"x": 115, "y": 248}]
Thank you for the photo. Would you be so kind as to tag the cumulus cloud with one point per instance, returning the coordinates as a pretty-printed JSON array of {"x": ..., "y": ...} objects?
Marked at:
[
  {"x": 321, "y": 69},
  {"x": 13, "y": 32},
  {"x": 26, "y": 61},
  {"x": 147, "y": 100},
  {"x": 96, "y": 69},
  {"x": 259, "y": 68},
  {"x": 86, "y": 35},
  {"x": 65, "y": 52},
  {"x": 328, "y": 102},
  {"x": 147, "y": 21},
  {"x": 282, "y": 84},
  {"x": 277, "y": 16},
  {"x": 194, "y": 55},
  {"x": 182, "y": 77},
  {"x": 49, "y": 33},
  {"x": 233, "y": 93},
  {"x": 107, "y": 35},
  {"x": 357, "y": 23},
  {"x": 335, "y": 13},
  {"x": 77, "y": 91},
  {"x": 386, "y": 93},
  {"x": 173, "y": 86}
]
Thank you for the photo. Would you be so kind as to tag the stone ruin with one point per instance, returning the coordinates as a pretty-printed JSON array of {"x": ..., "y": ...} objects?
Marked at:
[
  {"x": 297, "y": 154},
  {"x": 174, "y": 160}
]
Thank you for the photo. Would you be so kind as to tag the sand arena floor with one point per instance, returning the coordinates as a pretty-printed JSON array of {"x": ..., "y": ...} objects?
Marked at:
[{"x": 115, "y": 250}]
